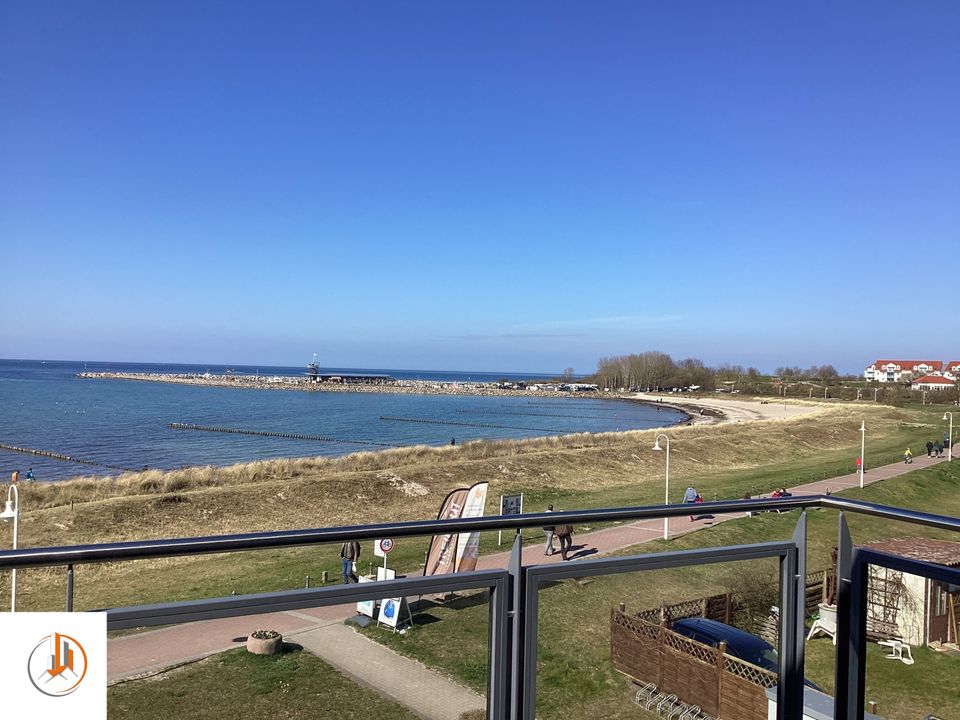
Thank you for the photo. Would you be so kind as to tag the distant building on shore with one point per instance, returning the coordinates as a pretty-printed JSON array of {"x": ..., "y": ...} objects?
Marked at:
[
  {"x": 952, "y": 371},
  {"x": 902, "y": 370},
  {"x": 932, "y": 382}
]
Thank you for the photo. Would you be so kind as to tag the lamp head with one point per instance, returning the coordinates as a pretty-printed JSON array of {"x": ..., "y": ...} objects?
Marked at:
[
  {"x": 9, "y": 512},
  {"x": 656, "y": 445},
  {"x": 948, "y": 413},
  {"x": 863, "y": 426}
]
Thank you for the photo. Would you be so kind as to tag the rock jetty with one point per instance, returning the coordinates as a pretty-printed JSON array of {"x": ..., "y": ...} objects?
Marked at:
[{"x": 310, "y": 384}]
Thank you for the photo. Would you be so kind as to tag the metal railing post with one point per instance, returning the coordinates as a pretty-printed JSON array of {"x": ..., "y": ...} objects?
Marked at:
[
  {"x": 498, "y": 677},
  {"x": 792, "y": 605},
  {"x": 516, "y": 614},
  {"x": 70, "y": 588},
  {"x": 851, "y": 629}
]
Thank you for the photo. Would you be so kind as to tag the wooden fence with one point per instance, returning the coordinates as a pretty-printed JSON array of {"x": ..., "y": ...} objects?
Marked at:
[{"x": 722, "y": 685}]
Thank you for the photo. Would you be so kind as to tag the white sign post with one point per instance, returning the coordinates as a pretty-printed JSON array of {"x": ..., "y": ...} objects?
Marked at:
[
  {"x": 509, "y": 505},
  {"x": 381, "y": 547}
]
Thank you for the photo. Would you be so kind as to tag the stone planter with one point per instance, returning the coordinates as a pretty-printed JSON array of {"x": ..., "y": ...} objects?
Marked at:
[{"x": 264, "y": 642}]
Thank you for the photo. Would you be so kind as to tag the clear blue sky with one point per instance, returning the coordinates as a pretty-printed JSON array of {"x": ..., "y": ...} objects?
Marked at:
[{"x": 502, "y": 186}]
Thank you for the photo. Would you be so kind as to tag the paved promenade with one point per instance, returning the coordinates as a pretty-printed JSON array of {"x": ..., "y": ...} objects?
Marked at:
[{"x": 321, "y": 630}]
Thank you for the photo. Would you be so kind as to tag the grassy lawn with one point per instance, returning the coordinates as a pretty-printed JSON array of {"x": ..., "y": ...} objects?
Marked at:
[
  {"x": 575, "y": 677},
  {"x": 238, "y": 684}
]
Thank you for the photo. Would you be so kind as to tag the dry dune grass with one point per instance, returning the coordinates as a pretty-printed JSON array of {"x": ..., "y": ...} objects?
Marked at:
[{"x": 408, "y": 483}]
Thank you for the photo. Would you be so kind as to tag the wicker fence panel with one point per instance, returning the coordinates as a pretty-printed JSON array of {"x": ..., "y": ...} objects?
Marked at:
[
  {"x": 690, "y": 670},
  {"x": 635, "y": 648},
  {"x": 722, "y": 685},
  {"x": 714, "y": 607},
  {"x": 741, "y": 699},
  {"x": 755, "y": 675}
]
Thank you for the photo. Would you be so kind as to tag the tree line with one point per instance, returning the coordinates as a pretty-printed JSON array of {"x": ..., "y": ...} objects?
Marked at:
[{"x": 655, "y": 370}]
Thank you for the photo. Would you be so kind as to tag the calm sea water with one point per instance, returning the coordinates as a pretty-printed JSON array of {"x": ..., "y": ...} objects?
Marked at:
[{"x": 125, "y": 424}]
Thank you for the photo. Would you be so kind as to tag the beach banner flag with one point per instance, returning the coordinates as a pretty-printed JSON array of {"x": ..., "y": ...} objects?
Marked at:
[
  {"x": 468, "y": 543},
  {"x": 442, "y": 553}
]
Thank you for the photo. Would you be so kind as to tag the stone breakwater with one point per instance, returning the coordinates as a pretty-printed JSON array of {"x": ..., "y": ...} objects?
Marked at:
[{"x": 307, "y": 384}]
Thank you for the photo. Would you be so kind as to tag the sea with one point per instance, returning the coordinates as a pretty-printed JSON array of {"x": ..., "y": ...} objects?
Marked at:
[{"x": 122, "y": 424}]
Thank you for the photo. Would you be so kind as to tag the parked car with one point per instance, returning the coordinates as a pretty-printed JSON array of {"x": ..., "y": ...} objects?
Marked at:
[{"x": 740, "y": 643}]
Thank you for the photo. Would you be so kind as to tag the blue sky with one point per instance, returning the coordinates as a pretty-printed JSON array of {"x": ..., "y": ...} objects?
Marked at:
[{"x": 488, "y": 186}]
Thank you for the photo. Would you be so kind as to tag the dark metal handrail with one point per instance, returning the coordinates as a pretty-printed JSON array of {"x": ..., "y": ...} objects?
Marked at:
[{"x": 147, "y": 549}]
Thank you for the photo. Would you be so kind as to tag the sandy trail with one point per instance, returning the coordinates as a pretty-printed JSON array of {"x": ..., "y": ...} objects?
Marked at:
[{"x": 731, "y": 410}]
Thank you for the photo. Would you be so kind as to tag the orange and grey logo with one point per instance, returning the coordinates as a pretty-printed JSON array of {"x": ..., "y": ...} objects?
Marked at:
[{"x": 57, "y": 665}]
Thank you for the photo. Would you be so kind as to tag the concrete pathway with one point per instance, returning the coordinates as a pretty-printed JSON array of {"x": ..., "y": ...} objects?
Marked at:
[
  {"x": 321, "y": 631},
  {"x": 424, "y": 692}
]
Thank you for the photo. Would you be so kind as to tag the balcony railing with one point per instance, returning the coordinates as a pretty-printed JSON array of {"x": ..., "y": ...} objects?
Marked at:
[{"x": 514, "y": 590}]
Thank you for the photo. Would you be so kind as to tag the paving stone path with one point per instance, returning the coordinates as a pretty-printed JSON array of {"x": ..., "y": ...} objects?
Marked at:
[{"x": 425, "y": 692}]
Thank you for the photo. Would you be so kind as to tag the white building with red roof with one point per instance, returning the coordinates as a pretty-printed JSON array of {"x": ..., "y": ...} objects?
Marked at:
[
  {"x": 902, "y": 370},
  {"x": 932, "y": 382},
  {"x": 952, "y": 370}
]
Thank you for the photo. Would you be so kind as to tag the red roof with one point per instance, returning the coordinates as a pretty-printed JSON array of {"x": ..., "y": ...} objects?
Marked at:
[
  {"x": 908, "y": 365},
  {"x": 933, "y": 380},
  {"x": 954, "y": 365}
]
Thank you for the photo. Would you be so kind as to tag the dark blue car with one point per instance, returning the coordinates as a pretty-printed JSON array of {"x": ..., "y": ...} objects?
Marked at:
[{"x": 740, "y": 644}]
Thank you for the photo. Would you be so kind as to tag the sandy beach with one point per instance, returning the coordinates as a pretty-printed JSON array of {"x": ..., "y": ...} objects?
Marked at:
[{"x": 727, "y": 410}]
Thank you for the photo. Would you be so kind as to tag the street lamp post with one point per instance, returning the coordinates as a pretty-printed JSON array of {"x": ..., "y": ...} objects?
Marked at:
[
  {"x": 949, "y": 435},
  {"x": 12, "y": 512},
  {"x": 666, "y": 488},
  {"x": 863, "y": 441}
]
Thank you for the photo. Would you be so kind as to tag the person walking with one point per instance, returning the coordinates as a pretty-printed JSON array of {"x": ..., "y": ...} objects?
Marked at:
[
  {"x": 548, "y": 531},
  {"x": 690, "y": 496},
  {"x": 929, "y": 448},
  {"x": 349, "y": 554},
  {"x": 907, "y": 456},
  {"x": 565, "y": 534},
  {"x": 14, "y": 477},
  {"x": 938, "y": 449}
]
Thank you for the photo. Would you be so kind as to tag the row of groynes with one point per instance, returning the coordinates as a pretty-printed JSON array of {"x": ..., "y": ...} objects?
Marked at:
[
  {"x": 60, "y": 456},
  {"x": 535, "y": 414},
  {"x": 430, "y": 421},
  {"x": 275, "y": 434}
]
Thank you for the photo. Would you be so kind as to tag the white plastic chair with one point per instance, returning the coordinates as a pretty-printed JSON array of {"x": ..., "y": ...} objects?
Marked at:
[{"x": 826, "y": 623}]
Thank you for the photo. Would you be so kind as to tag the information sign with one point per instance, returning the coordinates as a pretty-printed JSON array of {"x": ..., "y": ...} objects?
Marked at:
[{"x": 366, "y": 607}]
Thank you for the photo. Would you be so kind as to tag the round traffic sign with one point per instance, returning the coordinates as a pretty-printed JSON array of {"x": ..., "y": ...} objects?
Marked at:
[{"x": 386, "y": 545}]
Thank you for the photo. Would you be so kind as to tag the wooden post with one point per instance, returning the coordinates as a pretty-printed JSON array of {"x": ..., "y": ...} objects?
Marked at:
[
  {"x": 703, "y": 607},
  {"x": 719, "y": 665},
  {"x": 823, "y": 592},
  {"x": 623, "y": 607},
  {"x": 663, "y": 614},
  {"x": 727, "y": 608}
]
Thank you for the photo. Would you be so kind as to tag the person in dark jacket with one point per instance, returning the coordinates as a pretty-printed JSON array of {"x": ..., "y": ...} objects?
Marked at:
[
  {"x": 349, "y": 554},
  {"x": 929, "y": 448},
  {"x": 938, "y": 449},
  {"x": 565, "y": 534}
]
